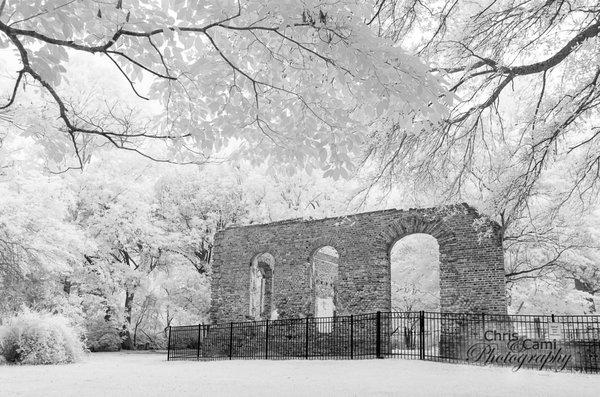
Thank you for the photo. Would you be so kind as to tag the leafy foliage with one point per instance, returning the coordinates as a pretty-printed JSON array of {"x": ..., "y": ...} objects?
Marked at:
[
  {"x": 287, "y": 82},
  {"x": 40, "y": 338},
  {"x": 527, "y": 100}
]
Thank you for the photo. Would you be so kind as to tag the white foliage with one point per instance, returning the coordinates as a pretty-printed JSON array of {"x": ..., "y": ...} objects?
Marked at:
[{"x": 40, "y": 338}]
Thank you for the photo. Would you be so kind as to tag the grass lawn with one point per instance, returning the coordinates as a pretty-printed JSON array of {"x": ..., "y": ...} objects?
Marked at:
[{"x": 149, "y": 374}]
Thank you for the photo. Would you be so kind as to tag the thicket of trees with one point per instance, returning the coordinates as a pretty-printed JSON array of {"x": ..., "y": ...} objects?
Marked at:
[{"x": 124, "y": 247}]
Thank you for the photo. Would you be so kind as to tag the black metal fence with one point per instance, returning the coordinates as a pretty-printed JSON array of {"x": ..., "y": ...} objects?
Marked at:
[{"x": 520, "y": 341}]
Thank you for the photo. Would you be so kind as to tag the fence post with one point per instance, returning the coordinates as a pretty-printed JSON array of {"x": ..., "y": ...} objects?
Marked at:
[
  {"x": 352, "y": 336},
  {"x": 483, "y": 320},
  {"x": 421, "y": 335},
  {"x": 267, "y": 339},
  {"x": 230, "y": 340},
  {"x": 378, "y": 336},
  {"x": 169, "y": 345},
  {"x": 482, "y": 325},
  {"x": 198, "y": 348},
  {"x": 306, "y": 340}
]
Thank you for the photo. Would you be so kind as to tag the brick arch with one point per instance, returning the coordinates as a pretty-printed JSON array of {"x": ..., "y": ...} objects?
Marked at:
[
  {"x": 326, "y": 241},
  {"x": 446, "y": 239},
  {"x": 416, "y": 224},
  {"x": 260, "y": 252},
  {"x": 262, "y": 249}
]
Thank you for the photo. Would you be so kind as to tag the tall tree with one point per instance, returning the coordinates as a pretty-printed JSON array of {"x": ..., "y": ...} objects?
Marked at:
[
  {"x": 116, "y": 212},
  {"x": 38, "y": 243}
]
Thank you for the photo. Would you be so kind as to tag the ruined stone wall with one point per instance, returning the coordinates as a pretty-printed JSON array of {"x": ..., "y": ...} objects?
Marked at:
[{"x": 471, "y": 261}]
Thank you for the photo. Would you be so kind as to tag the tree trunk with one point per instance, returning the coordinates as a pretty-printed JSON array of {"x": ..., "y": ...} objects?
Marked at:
[
  {"x": 67, "y": 286},
  {"x": 582, "y": 285},
  {"x": 127, "y": 343},
  {"x": 108, "y": 313}
]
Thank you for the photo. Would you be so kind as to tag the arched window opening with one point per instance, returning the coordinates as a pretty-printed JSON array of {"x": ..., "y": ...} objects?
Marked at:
[
  {"x": 261, "y": 287},
  {"x": 415, "y": 269},
  {"x": 325, "y": 262},
  {"x": 415, "y": 286}
]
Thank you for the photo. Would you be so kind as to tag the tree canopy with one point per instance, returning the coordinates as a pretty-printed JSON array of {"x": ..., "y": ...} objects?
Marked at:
[
  {"x": 527, "y": 95},
  {"x": 290, "y": 82}
]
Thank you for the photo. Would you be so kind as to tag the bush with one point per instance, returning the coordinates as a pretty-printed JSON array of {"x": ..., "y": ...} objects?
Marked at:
[
  {"x": 102, "y": 336},
  {"x": 40, "y": 338}
]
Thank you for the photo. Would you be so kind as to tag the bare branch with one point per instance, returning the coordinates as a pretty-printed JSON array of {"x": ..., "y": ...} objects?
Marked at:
[
  {"x": 14, "y": 92},
  {"x": 127, "y": 78}
]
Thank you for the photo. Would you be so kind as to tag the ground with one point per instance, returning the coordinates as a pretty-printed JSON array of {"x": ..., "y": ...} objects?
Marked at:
[{"x": 149, "y": 374}]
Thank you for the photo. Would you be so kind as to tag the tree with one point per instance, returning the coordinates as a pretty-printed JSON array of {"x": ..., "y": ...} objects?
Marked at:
[
  {"x": 153, "y": 231},
  {"x": 555, "y": 253},
  {"x": 296, "y": 81},
  {"x": 38, "y": 244},
  {"x": 117, "y": 213},
  {"x": 192, "y": 205},
  {"x": 527, "y": 95},
  {"x": 277, "y": 196}
]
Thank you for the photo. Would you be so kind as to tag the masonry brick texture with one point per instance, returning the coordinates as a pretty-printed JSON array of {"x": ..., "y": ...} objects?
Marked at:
[
  {"x": 325, "y": 271},
  {"x": 471, "y": 261}
]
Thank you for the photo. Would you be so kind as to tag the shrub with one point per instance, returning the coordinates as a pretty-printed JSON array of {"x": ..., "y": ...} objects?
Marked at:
[
  {"x": 40, "y": 338},
  {"x": 102, "y": 336}
]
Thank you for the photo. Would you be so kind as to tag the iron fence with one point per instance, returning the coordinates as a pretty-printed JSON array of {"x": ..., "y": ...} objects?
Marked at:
[{"x": 520, "y": 341}]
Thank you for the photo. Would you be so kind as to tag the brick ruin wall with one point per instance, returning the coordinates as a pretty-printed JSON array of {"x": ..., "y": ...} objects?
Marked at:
[{"x": 471, "y": 261}]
